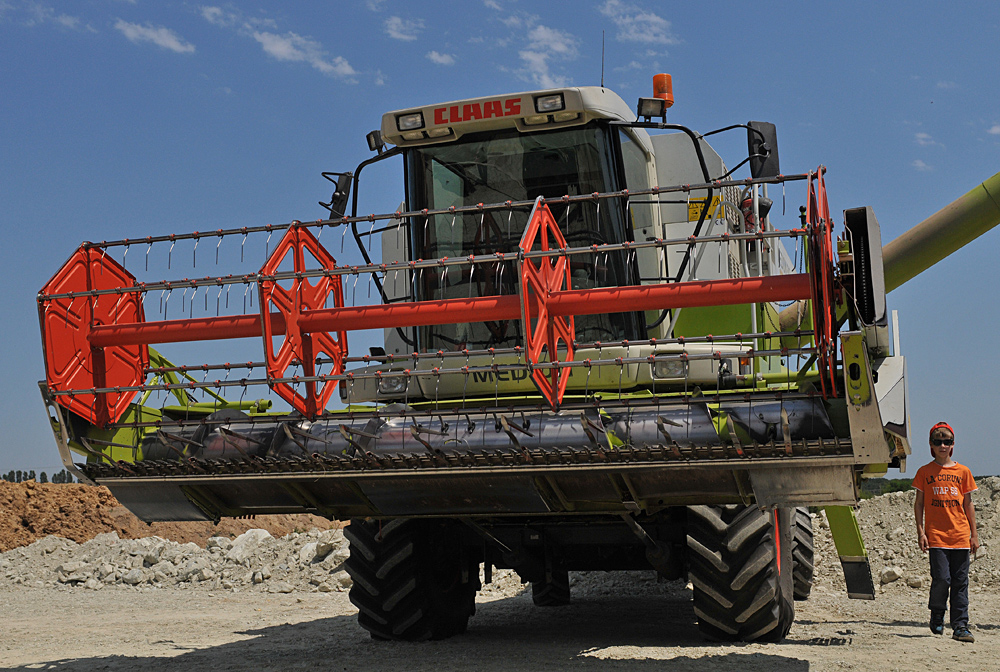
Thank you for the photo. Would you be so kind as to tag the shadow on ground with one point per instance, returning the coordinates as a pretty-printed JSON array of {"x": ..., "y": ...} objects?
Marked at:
[{"x": 645, "y": 633}]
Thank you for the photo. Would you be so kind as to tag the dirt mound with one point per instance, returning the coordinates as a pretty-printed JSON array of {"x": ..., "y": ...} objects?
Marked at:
[{"x": 30, "y": 511}]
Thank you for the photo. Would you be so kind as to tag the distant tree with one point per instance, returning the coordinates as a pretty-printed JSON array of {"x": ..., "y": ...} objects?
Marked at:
[
  {"x": 31, "y": 475},
  {"x": 18, "y": 475},
  {"x": 42, "y": 478},
  {"x": 62, "y": 476}
]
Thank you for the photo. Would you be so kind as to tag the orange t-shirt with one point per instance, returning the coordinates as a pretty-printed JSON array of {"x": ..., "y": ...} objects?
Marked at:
[{"x": 944, "y": 488}]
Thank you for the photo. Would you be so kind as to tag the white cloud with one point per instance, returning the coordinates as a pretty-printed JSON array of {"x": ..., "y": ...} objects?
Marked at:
[
  {"x": 544, "y": 45},
  {"x": 947, "y": 85},
  {"x": 921, "y": 166},
  {"x": 218, "y": 16},
  {"x": 375, "y": 5},
  {"x": 637, "y": 25},
  {"x": 294, "y": 47},
  {"x": 158, "y": 35},
  {"x": 287, "y": 46},
  {"x": 633, "y": 65},
  {"x": 925, "y": 140},
  {"x": 403, "y": 29},
  {"x": 440, "y": 59},
  {"x": 994, "y": 130},
  {"x": 38, "y": 13},
  {"x": 493, "y": 4}
]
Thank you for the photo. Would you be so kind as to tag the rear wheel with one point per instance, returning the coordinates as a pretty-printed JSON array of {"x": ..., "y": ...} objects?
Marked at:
[
  {"x": 411, "y": 579},
  {"x": 741, "y": 568},
  {"x": 552, "y": 592},
  {"x": 802, "y": 552}
]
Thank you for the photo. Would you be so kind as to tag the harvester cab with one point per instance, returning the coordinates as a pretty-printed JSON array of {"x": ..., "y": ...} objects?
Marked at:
[{"x": 599, "y": 352}]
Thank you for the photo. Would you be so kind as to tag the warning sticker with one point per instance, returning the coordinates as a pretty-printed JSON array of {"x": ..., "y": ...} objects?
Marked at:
[{"x": 695, "y": 206}]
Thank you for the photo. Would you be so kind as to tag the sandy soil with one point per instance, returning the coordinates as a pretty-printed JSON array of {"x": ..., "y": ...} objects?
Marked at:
[
  {"x": 30, "y": 511},
  {"x": 195, "y": 630}
]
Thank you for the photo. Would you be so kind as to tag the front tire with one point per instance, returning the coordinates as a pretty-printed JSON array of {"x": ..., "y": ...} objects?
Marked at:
[
  {"x": 802, "y": 552},
  {"x": 411, "y": 579},
  {"x": 741, "y": 568}
]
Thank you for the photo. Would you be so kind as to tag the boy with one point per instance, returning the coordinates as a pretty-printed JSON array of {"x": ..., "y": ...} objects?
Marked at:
[{"x": 946, "y": 528}]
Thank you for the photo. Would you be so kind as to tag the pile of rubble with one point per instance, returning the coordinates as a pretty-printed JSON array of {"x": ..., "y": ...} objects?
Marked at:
[
  {"x": 889, "y": 531},
  {"x": 299, "y": 561}
]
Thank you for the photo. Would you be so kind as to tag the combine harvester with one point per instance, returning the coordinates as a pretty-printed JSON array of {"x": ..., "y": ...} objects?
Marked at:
[{"x": 600, "y": 353}]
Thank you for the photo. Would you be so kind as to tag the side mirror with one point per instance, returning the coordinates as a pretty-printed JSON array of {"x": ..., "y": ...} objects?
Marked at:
[
  {"x": 762, "y": 147},
  {"x": 338, "y": 201}
]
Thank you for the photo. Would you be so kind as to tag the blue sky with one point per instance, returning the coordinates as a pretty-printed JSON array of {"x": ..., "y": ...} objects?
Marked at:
[{"x": 128, "y": 118}]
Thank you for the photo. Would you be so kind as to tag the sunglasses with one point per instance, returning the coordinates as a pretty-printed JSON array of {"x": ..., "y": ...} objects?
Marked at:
[{"x": 943, "y": 442}]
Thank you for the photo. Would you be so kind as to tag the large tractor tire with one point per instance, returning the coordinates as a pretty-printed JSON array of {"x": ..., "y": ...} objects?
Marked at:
[
  {"x": 554, "y": 593},
  {"x": 802, "y": 552},
  {"x": 411, "y": 580},
  {"x": 741, "y": 568}
]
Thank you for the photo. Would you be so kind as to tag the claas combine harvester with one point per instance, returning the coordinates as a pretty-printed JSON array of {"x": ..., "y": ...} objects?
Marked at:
[{"x": 601, "y": 352}]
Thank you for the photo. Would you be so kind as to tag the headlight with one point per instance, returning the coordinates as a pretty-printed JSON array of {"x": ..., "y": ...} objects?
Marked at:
[
  {"x": 669, "y": 368},
  {"x": 551, "y": 103},
  {"x": 410, "y": 122},
  {"x": 392, "y": 385}
]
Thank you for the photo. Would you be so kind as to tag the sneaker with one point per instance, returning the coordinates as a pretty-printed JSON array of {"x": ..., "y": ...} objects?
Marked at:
[
  {"x": 937, "y": 624},
  {"x": 962, "y": 634}
]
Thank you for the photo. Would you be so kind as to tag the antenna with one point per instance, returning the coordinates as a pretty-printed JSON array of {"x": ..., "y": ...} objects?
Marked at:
[{"x": 602, "y": 59}]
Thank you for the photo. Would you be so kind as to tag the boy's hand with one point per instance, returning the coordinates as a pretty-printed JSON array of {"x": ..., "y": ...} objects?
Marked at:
[
  {"x": 923, "y": 542},
  {"x": 974, "y": 543}
]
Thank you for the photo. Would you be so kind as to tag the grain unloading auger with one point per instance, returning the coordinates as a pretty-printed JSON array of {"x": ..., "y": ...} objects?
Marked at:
[{"x": 582, "y": 367}]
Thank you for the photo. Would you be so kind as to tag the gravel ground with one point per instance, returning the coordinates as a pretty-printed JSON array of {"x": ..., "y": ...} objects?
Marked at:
[
  {"x": 649, "y": 627},
  {"x": 267, "y": 603}
]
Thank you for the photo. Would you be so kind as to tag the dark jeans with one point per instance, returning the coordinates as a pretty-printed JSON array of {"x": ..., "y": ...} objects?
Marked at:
[{"x": 950, "y": 571}]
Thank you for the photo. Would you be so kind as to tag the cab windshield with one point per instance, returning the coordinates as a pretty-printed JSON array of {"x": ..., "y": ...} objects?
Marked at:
[{"x": 508, "y": 165}]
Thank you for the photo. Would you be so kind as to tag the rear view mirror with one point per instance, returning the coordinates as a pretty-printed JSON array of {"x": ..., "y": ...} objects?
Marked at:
[{"x": 762, "y": 146}]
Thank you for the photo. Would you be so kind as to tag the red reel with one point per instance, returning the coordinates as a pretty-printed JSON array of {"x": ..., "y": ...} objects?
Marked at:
[
  {"x": 292, "y": 301},
  {"x": 539, "y": 278},
  {"x": 70, "y": 361},
  {"x": 821, "y": 268}
]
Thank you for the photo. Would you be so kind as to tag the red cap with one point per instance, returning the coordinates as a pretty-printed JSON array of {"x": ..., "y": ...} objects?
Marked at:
[{"x": 942, "y": 425}]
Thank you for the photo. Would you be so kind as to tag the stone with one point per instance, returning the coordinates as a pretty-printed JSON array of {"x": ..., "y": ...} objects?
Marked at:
[
  {"x": 75, "y": 577},
  {"x": 134, "y": 577},
  {"x": 308, "y": 553},
  {"x": 71, "y": 567},
  {"x": 245, "y": 545},
  {"x": 192, "y": 567},
  {"x": 280, "y": 587},
  {"x": 223, "y": 543},
  {"x": 324, "y": 548},
  {"x": 897, "y": 533},
  {"x": 106, "y": 539},
  {"x": 93, "y": 584},
  {"x": 205, "y": 574},
  {"x": 890, "y": 574},
  {"x": 342, "y": 579},
  {"x": 165, "y": 568},
  {"x": 915, "y": 582}
]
